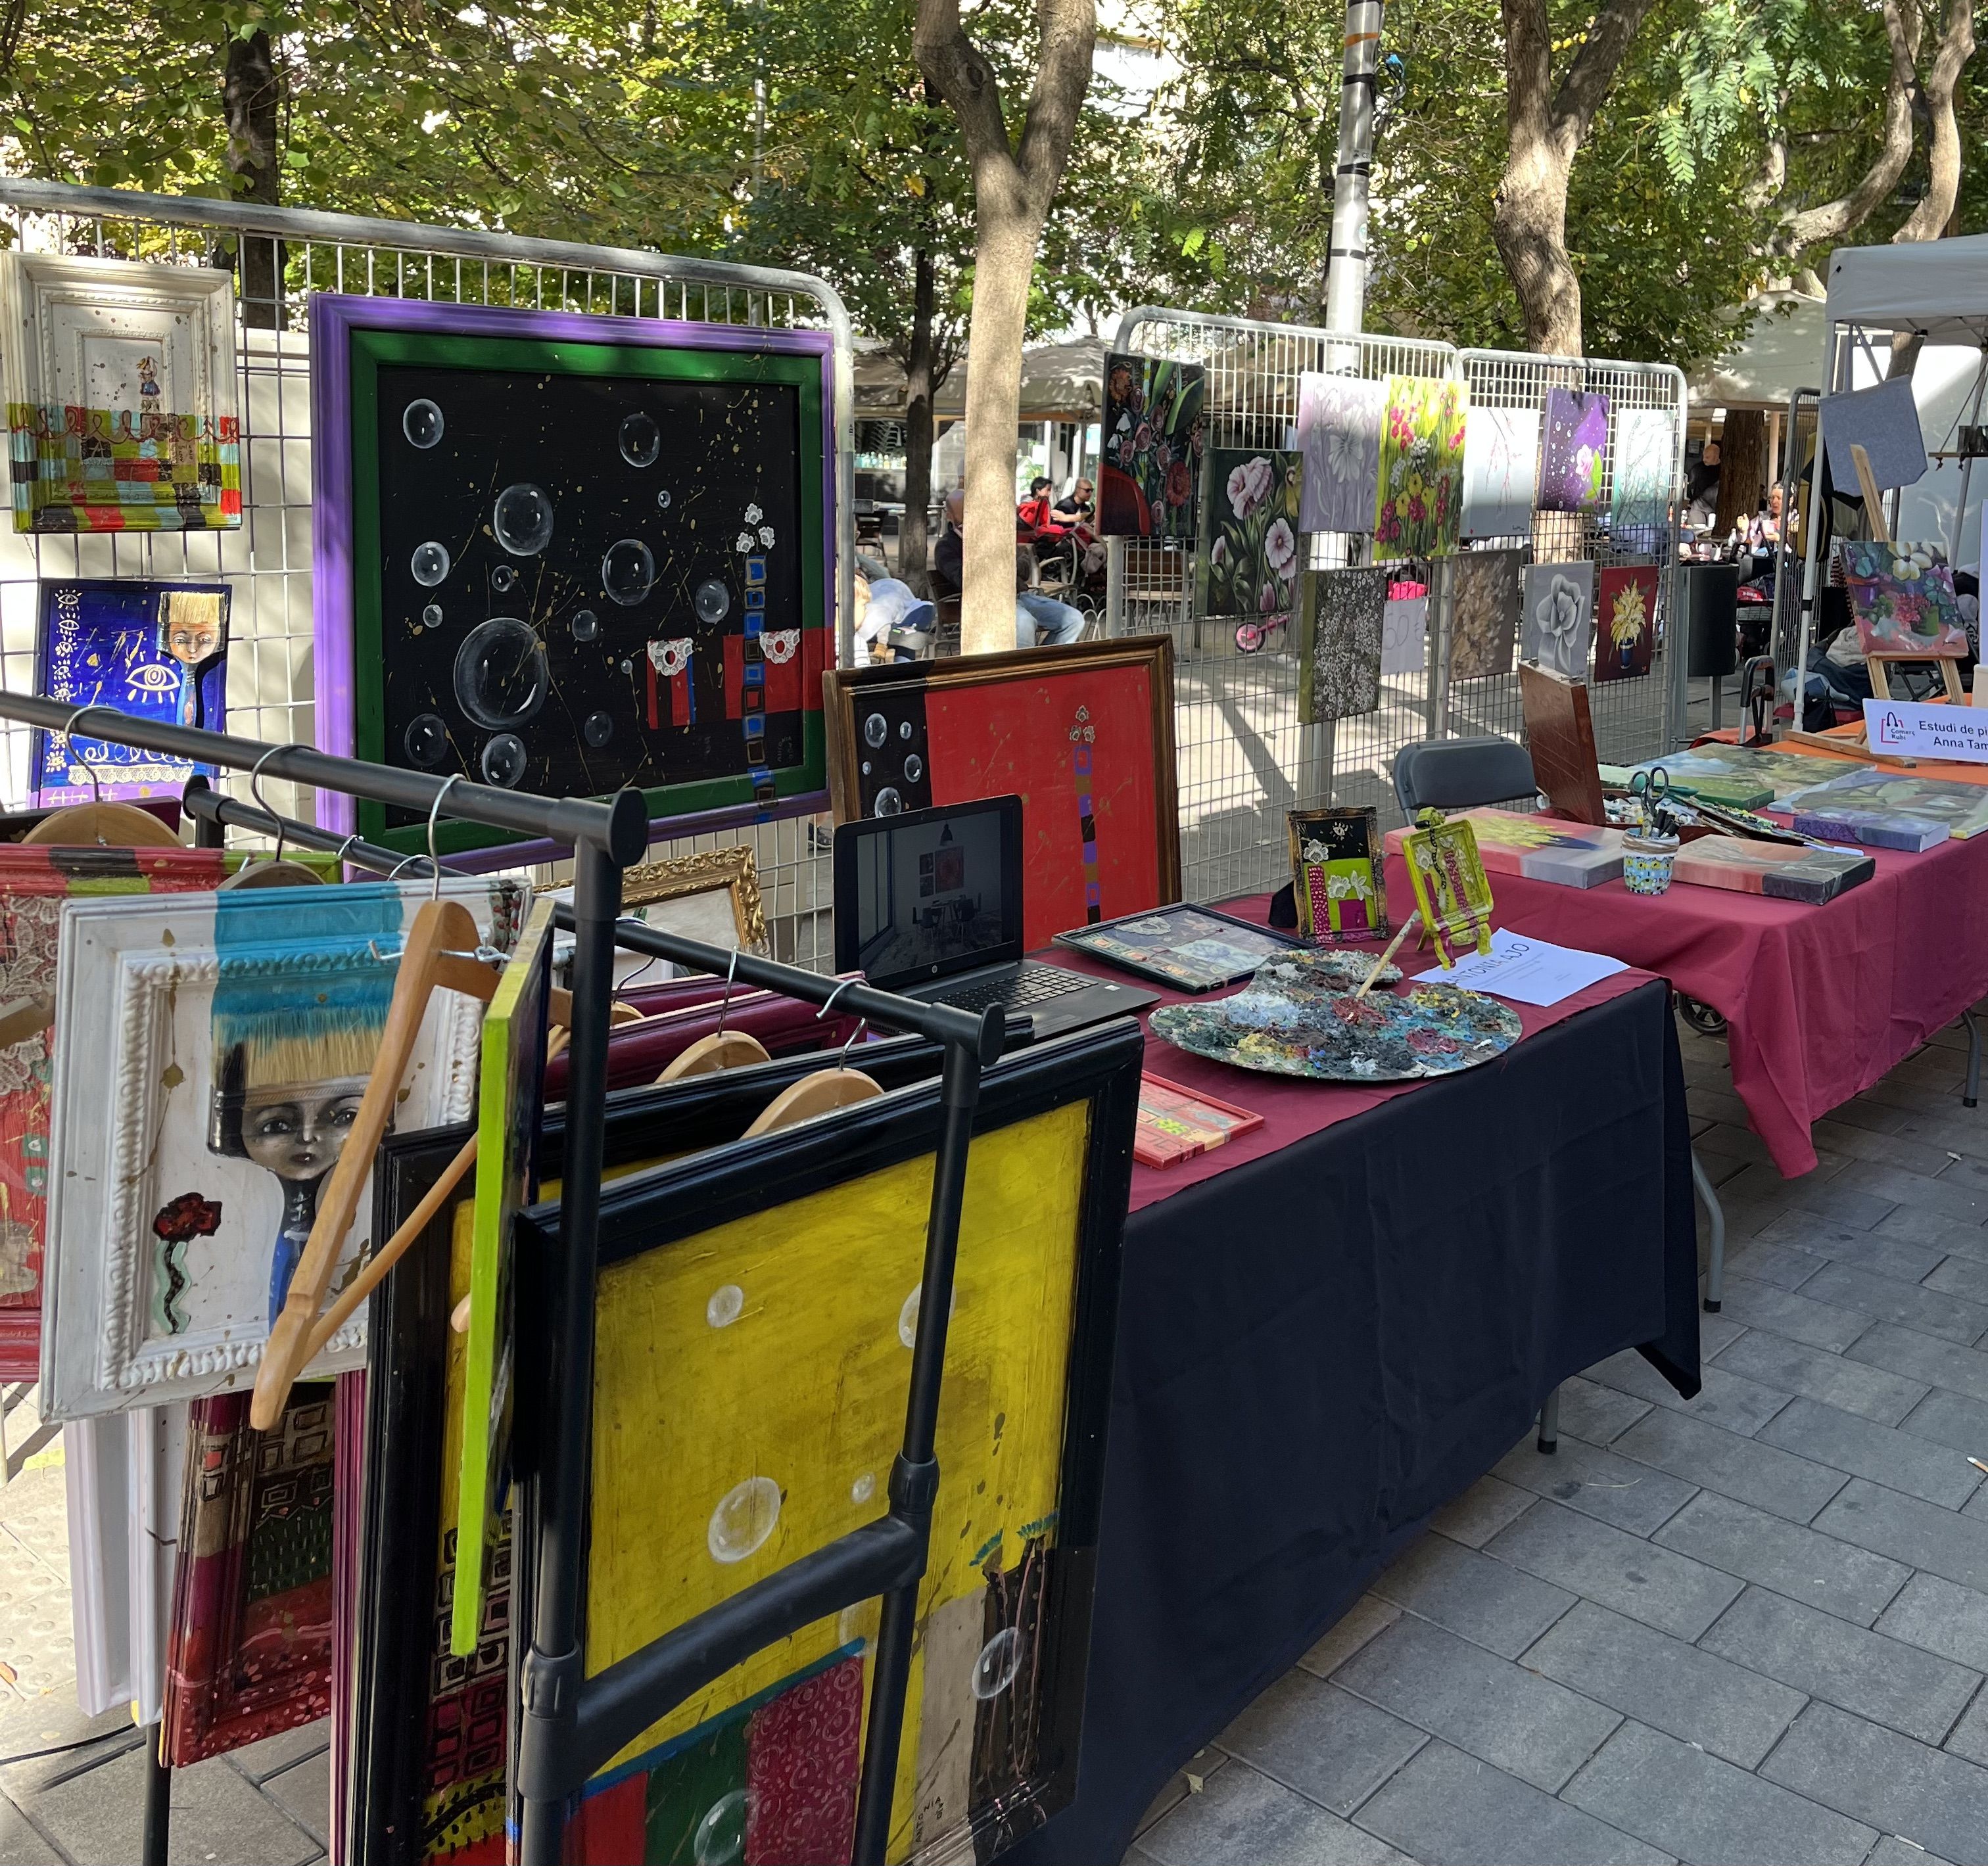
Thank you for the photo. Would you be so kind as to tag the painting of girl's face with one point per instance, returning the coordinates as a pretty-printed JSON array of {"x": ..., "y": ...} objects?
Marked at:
[
  {"x": 193, "y": 642},
  {"x": 297, "y": 1131}
]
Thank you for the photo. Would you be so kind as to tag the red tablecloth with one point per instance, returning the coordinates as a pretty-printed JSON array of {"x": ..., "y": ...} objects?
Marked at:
[
  {"x": 1821, "y": 1001},
  {"x": 1291, "y": 1108}
]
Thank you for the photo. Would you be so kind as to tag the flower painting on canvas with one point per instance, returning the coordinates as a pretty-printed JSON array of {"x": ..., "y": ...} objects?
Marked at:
[
  {"x": 1152, "y": 460},
  {"x": 1626, "y": 610},
  {"x": 1249, "y": 565},
  {"x": 1557, "y": 618},
  {"x": 1418, "y": 504},
  {"x": 1573, "y": 457},
  {"x": 1903, "y": 597},
  {"x": 1339, "y": 433}
]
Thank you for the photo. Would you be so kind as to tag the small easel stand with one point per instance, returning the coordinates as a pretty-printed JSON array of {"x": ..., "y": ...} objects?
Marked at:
[
  {"x": 568, "y": 1725},
  {"x": 1857, "y": 745}
]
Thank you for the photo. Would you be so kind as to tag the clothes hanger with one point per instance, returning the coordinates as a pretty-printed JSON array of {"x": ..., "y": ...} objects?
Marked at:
[
  {"x": 109, "y": 826},
  {"x": 723, "y": 1048},
  {"x": 277, "y": 870},
  {"x": 824, "y": 1091}
]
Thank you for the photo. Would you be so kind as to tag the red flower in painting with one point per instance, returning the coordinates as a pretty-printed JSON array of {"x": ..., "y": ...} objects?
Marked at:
[
  {"x": 1180, "y": 484},
  {"x": 188, "y": 1216}
]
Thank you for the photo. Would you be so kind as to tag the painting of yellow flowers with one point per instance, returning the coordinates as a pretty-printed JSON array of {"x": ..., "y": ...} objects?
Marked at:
[
  {"x": 1627, "y": 611},
  {"x": 1418, "y": 504}
]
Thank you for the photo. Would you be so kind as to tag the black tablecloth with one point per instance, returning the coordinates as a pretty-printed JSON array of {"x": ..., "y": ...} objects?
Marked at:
[{"x": 1320, "y": 1348}]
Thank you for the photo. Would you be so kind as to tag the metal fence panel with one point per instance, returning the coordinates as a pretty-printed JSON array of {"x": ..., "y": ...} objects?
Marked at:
[{"x": 279, "y": 257}]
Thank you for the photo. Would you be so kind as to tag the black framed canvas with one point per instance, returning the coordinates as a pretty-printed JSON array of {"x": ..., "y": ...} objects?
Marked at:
[{"x": 1190, "y": 949}]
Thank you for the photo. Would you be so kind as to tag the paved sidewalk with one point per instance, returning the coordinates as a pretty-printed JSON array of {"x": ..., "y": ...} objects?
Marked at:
[
  {"x": 1750, "y": 1630},
  {"x": 1753, "y": 1629}
]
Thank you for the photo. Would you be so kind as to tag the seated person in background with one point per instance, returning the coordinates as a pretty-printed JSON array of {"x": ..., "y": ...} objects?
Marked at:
[
  {"x": 1076, "y": 507},
  {"x": 1040, "y": 621},
  {"x": 1033, "y": 512},
  {"x": 948, "y": 575}
]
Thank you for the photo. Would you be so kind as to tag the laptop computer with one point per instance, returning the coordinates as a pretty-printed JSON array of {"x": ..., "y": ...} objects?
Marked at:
[{"x": 929, "y": 904}]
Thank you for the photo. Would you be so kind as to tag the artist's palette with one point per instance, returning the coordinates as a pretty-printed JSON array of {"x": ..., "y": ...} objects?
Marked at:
[{"x": 1297, "y": 1016}]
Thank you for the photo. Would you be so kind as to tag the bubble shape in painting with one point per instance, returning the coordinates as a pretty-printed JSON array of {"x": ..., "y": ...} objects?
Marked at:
[
  {"x": 720, "y": 1839},
  {"x": 641, "y": 439},
  {"x": 598, "y": 729},
  {"x": 888, "y": 802},
  {"x": 875, "y": 731},
  {"x": 727, "y": 1302},
  {"x": 429, "y": 565},
  {"x": 915, "y": 768},
  {"x": 501, "y": 677},
  {"x": 994, "y": 1670},
  {"x": 431, "y": 615},
  {"x": 662, "y": 498},
  {"x": 422, "y": 424},
  {"x": 744, "y": 1517},
  {"x": 521, "y": 519},
  {"x": 503, "y": 579},
  {"x": 586, "y": 625},
  {"x": 426, "y": 739},
  {"x": 504, "y": 759},
  {"x": 903, "y": 729},
  {"x": 628, "y": 572},
  {"x": 713, "y": 601}
]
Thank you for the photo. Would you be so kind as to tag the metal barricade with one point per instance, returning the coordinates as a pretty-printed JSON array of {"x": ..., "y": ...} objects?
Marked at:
[
  {"x": 1245, "y": 757},
  {"x": 1633, "y": 718},
  {"x": 280, "y": 255}
]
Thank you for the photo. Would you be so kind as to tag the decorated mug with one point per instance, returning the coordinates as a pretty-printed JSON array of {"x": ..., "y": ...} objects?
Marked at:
[{"x": 1646, "y": 863}]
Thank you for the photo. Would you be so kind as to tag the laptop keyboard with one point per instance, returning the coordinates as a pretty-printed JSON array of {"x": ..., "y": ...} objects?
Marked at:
[{"x": 1031, "y": 983}]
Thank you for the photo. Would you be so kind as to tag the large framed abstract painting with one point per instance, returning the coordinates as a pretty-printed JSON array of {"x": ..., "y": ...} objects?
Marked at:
[
  {"x": 426, "y": 1768},
  {"x": 573, "y": 554},
  {"x": 733, "y": 1273},
  {"x": 119, "y": 382},
  {"x": 237, "y": 1031},
  {"x": 1251, "y": 555},
  {"x": 154, "y": 651},
  {"x": 1150, "y": 471},
  {"x": 1085, "y": 735}
]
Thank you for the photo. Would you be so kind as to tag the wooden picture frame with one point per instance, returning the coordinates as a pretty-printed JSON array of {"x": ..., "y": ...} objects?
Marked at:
[
  {"x": 1100, "y": 830},
  {"x": 119, "y": 376},
  {"x": 168, "y": 1241},
  {"x": 695, "y": 662},
  {"x": 833, "y": 1207},
  {"x": 732, "y": 871}
]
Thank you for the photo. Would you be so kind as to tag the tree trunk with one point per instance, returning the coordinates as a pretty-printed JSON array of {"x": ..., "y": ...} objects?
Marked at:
[
  {"x": 919, "y": 389},
  {"x": 251, "y": 93},
  {"x": 1830, "y": 221},
  {"x": 1929, "y": 220},
  {"x": 1742, "y": 469},
  {"x": 1529, "y": 221}
]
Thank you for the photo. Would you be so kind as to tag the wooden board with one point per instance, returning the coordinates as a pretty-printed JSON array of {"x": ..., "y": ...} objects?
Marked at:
[{"x": 1560, "y": 734}]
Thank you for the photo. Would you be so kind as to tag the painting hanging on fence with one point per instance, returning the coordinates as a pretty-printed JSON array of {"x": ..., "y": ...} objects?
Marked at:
[
  {"x": 1644, "y": 478},
  {"x": 1419, "y": 502},
  {"x": 1343, "y": 616},
  {"x": 1573, "y": 453},
  {"x": 152, "y": 650},
  {"x": 1484, "y": 614},
  {"x": 1149, "y": 474},
  {"x": 1405, "y": 632},
  {"x": 119, "y": 382},
  {"x": 239, "y": 1029},
  {"x": 1625, "y": 626},
  {"x": 815, "y": 1264},
  {"x": 250, "y": 1650},
  {"x": 1339, "y": 434},
  {"x": 1251, "y": 554},
  {"x": 1084, "y": 734},
  {"x": 570, "y": 553},
  {"x": 1501, "y": 464},
  {"x": 1557, "y": 618},
  {"x": 1902, "y": 596}
]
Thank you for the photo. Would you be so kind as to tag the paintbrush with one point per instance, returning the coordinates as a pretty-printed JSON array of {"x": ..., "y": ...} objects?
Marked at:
[{"x": 1381, "y": 963}]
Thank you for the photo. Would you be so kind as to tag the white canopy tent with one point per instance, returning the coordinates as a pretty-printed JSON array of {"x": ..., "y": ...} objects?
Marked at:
[{"x": 1938, "y": 289}]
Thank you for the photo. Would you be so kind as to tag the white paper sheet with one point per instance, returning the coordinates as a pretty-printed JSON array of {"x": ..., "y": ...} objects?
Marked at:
[{"x": 1528, "y": 970}]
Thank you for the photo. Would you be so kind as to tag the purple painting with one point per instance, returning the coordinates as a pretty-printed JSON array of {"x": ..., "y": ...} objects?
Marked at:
[{"x": 1573, "y": 452}]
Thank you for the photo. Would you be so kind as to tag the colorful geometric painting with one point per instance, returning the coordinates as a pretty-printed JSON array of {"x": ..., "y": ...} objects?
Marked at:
[
  {"x": 1574, "y": 456},
  {"x": 818, "y": 1267},
  {"x": 1452, "y": 893},
  {"x": 1557, "y": 618},
  {"x": 1250, "y": 556},
  {"x": 1501, "y": 454},
  {"x": 152, "y": 650},
  {"x": 1344, "y": 614},
  {"x": 1336, "y": 874},
  {"x": 1484, "y": 614},
  {"x": 1150, "y": 471},
  {"x": 1645, "y": 464},
  {"x": 1625, "y": 628},
  {"x": 1083, "y": 735},
  {"x": 1339, "y": 434},
  {"x": 1901, "y": 596},
  {"x": 1418, "y": 501},
  {"x": 250, "y": 1652},
  {"x": 97, "y": 469}
]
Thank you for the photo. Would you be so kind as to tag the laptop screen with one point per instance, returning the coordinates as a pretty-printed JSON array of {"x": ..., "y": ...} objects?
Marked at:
[{"x": 929, "y": 892}]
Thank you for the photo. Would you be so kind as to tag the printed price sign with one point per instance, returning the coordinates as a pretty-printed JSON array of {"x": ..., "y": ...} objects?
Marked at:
[{"x": 1918, "y": 730}]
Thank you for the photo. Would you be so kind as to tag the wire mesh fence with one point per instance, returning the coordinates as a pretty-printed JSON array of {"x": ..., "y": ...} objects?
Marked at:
[{"x": 280, "y": 258}]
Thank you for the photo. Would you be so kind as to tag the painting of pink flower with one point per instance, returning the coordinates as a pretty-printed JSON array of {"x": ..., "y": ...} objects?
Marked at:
[
  {"x": 1242, "y": 502},
  {"x": 1280, "y": 548},
  {"x": 1250, "y": 544}
]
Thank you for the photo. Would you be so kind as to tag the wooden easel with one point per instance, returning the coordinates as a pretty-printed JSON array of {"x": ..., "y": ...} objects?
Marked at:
[{"x": 1857, "y": 745}]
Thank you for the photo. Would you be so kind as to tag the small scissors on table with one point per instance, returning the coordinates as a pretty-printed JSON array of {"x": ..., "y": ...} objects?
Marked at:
[{"x": 1651, "y": 791}]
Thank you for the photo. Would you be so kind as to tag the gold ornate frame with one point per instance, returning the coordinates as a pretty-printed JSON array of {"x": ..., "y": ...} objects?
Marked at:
[{"x": 701, "y": 873}]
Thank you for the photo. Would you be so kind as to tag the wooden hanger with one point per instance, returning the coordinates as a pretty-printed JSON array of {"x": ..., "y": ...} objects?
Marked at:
[
  {"x": 721, "y": 1049},
  {"x": 822, "y": 1092}
]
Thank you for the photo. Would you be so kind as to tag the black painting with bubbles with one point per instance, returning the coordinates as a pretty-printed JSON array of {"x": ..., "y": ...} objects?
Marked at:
[{"x": 562, "y": 560}]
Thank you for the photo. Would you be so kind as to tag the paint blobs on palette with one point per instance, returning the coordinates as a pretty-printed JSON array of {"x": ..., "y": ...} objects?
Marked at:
[
  {"x": 422, "y": 423},
  {"x": 429, "y": 565},
  {"x": 727, "y": 1304},
  {"x": 720, "y": 1839},
  {"x": 521, "y": 519},
  {"x": 746, "y": 1514},
  {"x": 999, "y": 1660}
]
